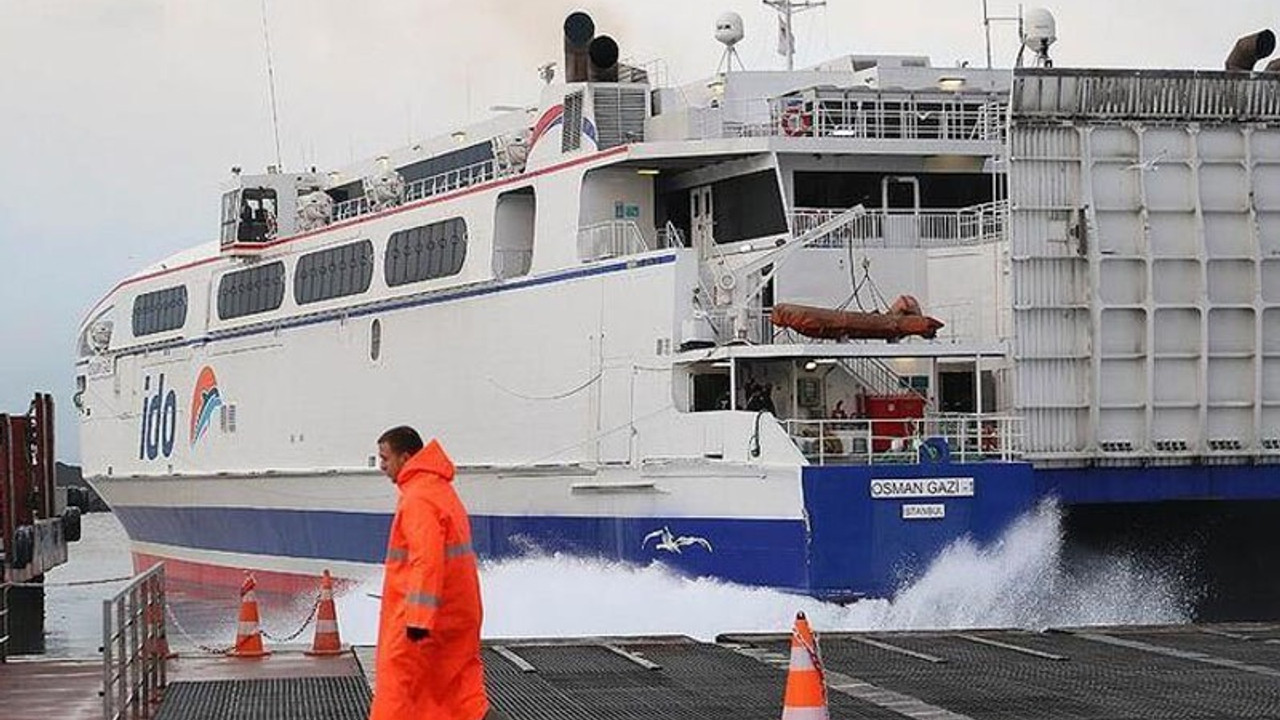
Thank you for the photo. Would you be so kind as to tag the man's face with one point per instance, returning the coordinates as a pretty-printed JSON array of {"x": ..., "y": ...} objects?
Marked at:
[{"x": 390, "y": 461}]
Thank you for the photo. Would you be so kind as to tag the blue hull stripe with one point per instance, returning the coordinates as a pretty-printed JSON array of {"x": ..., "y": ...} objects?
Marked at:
[
  {"x": 752, "y": 552},
  {"x": 1083, "y": 486},
  {"x": 853, "y": 545}
]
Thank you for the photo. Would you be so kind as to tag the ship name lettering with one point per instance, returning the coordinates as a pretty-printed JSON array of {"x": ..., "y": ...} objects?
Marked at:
[{"x": 922, "y": 487}]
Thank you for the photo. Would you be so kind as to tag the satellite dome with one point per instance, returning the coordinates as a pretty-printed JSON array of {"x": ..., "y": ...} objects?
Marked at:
[
  {"x": 729, "y": 29},
  {"x": 1039, "y": 29}
]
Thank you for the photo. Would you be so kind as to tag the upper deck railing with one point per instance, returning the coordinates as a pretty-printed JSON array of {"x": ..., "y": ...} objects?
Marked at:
[
  {"x": 858, "y": 115},
  {"x": 420, "y": 189},
  {"x": 619, "y": 238},
  {"x": 908, "y": 229}
]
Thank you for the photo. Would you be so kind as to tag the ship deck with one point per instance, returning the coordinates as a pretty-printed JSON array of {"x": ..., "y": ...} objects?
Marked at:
[{"x": 1218, "y": 671}]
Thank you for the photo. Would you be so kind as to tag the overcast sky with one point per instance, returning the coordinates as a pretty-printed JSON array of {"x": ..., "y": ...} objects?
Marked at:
[{"x": 120, "y": 118}]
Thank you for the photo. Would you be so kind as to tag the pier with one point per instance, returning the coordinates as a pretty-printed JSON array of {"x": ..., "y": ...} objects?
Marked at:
[
  {"x": 1219, "y": 671},
  {"x": 35, "y": 524}
]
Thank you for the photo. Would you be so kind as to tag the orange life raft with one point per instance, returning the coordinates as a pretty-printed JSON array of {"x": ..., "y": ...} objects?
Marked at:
[{"x": 904, "y": 318}]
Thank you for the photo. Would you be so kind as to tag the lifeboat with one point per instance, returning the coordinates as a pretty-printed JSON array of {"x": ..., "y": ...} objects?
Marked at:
[{"x": 904, "y": 318}]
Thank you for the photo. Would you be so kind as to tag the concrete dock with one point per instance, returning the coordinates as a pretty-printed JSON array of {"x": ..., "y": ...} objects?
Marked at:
[{"x": 1220, "y": 671}]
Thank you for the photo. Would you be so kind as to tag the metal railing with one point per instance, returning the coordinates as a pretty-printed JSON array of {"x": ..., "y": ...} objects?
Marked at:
[
  {"x": 134, "y": 648},
  {"x": 908, "y": 229},
  {"x": 882, "y": 118},
  {"x": 444, "y": 182},
  {"x": 670, "y": 236},
  {"x": 613, "y": 238},
  {"x": 857, "y": 115},
  {"x": 865, "y": 441},
  {"x": 877, "y": 377}
]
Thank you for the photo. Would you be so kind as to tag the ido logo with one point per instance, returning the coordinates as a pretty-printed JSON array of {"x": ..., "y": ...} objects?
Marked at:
[{"x": 159, "y": 420}]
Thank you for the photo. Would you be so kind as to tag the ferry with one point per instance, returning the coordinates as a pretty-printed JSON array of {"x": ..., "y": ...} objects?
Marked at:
[{"x": 796, "y": 329}]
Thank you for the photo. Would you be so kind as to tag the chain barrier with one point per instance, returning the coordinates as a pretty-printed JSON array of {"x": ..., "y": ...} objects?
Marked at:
[
  {"x": 315, "y": 607},
  {"x": 191, "y": 639},
  {"x": 72, "y": 583},
  {"x": 311, "y": 616}
]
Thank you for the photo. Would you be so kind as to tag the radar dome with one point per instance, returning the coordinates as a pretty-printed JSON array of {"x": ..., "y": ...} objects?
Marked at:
[
  {"x": 729, "y": 28},
  {"x": 1039, "y": 29}
]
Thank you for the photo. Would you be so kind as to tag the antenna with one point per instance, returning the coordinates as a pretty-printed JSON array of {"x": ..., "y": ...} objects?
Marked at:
[
  {"x": 729, "y": 32},
  {"x": 988, "y": 18},
  {"x": 786, "y": 34},
  {"x": 271, "y": 84}
]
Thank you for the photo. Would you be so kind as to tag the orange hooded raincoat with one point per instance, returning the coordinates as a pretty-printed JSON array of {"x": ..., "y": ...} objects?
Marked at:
[{"x": 431, "y": 583}]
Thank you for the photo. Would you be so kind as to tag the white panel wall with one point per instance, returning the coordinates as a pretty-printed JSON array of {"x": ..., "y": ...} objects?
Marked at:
[{"x": 1146, "y": 261}]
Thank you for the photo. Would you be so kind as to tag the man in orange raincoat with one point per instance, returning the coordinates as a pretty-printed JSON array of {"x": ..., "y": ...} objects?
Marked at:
[{"x": 428, "y": 664}]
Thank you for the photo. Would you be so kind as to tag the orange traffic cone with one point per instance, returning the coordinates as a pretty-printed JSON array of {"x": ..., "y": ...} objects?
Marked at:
[
  {"x": 327, "y": 643},
  {"x": 806, "y": 696},
  {"x": 248, "y": 635}
]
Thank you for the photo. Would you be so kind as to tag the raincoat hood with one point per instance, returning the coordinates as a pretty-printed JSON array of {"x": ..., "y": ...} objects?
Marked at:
[{"x": 430, "y": 460}]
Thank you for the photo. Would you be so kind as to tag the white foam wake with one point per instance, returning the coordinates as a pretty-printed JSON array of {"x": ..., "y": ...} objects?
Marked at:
[{"x": 1022, "y": 580}]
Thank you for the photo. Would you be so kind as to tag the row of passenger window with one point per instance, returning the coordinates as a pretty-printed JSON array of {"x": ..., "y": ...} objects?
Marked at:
[{"x": 414, "y": 255}]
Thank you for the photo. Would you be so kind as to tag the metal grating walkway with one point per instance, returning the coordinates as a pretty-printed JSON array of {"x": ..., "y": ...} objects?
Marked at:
[
  {"x": 311, "y": 698},
  {"x": 682, "y": 681},
  {"x": 1118, "y": 673},
  {"x": 1084, "y": 674}
]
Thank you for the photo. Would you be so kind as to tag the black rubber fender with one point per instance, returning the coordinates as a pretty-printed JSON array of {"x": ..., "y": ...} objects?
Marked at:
[
  {"x": 24, "y": 546},
  {"x": 71, "y": 524}
]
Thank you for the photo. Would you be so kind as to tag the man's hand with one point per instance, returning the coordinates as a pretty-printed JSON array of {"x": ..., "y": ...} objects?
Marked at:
[{"x": 416, "y": 634}]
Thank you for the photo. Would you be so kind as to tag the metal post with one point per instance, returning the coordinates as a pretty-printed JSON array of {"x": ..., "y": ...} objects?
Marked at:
[
  {"x": 131, "y": 659},
  {"x": 791, "y": 37},
  {"x": 787, "y": 9},
  {"x": 733, "y": 384},
  {"x": 122, "y": 657},
  {"x": 143, "y": 621},
  {"x": 795, "y": 389},
  {"x": 986, "y": 23},
  {"x": 107, "y": 664}
]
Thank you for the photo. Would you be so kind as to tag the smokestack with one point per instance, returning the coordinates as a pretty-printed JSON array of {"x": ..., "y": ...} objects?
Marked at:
[
  {"x": 604, "y": 60},
  {"x": 578, "y": 31},
  {"x": 1250, "y": 49},
  {"x": 1273, "y": 66}
]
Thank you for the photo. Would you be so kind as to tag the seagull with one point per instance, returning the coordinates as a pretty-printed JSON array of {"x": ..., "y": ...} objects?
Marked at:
[
  {"x": 1151, "y": 164},
  {"x": 669, "y": 542}
]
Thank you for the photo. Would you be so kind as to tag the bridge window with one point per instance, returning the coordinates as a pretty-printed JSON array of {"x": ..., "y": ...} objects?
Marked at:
[
  {"x": 160, "y": 311},
  {"x": 333, "y": 273},
  {"x": 249, "y": 292},
  {"x": 746, "y": 207},
  {"x": 427, "y": 252}
]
